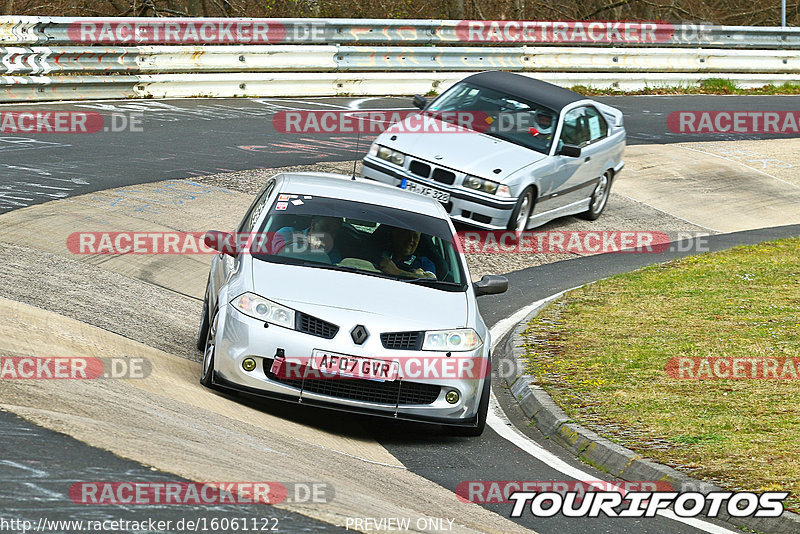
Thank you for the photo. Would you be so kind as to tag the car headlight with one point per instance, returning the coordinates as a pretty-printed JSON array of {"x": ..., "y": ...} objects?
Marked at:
[
  {"x": 260, "y": 308},
  {"x": 487, "y": 186},
  {"x": 452, "y": 340},
  {"x": 373, "y": 149},
  {"x": 392, "y": 156}
]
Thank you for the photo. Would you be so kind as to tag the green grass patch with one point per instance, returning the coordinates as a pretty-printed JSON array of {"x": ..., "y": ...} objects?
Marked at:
[
  {"x": 601, "y": 353},
  {"x": 711, "y": 86}
]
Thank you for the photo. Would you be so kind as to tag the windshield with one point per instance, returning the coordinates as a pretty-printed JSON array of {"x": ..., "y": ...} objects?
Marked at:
[
  {"x": 352, "y": 236},
  {"x": 506, "y": 117}
]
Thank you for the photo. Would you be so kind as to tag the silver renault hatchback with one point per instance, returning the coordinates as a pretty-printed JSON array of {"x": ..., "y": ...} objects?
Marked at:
[{"x": 349, "y": 294}]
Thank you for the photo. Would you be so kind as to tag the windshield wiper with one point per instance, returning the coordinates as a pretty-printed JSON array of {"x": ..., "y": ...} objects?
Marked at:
[
  {"x": 441, "y": 284},
  {"x": 330, "y": 266},
  {"x": 345, "y": 268}
]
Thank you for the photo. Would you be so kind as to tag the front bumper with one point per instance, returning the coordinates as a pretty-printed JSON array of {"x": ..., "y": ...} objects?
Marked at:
[
  {"x": 465, "y": 206},
  {"x": 239, "y": 337}
]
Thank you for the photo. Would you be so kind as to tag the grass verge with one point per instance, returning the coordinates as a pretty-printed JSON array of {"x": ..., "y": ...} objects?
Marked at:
[
  {"x": 601, "y": 353},
  {"x": 711, "y": 86}
]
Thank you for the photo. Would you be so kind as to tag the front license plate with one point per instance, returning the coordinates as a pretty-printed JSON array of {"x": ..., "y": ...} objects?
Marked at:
[
  {"x": 353, "y": 366},
  {"x": 414, "y": 187}
]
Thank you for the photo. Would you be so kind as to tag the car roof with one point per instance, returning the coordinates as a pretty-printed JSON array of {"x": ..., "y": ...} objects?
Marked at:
[
  {"x": 546, "y": 94},
  {"x": 345, "y": 187}
]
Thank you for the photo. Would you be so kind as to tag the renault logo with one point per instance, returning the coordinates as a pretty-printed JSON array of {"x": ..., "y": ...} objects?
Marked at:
[{"x": 359, "y": 335}]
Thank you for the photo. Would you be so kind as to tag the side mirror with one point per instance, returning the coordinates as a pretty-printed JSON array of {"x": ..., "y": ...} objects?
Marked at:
[
  {"x": 571, "y": 151},
  {"x": 220, "y": 241},
  {"x": 491, "y": 284},
  {"x": 420, "y": 101}
]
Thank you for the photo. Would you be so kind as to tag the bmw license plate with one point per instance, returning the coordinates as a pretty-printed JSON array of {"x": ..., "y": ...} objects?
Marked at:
[
  {"x": 333, "y": 363},
  {"x": 414, "y": 187}
]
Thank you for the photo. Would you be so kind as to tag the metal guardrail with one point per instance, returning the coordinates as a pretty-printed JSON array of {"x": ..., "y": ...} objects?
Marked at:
[
  {"x": 40, "y": 60},
  {"x": 44, "y": 88},
  {"x": 45, "y": 58}
]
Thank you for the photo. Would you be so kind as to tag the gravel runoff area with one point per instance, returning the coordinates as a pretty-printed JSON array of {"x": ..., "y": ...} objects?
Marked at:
[
  {"x": 132, "y": 308},
  {"x": 621, "y": 213}
]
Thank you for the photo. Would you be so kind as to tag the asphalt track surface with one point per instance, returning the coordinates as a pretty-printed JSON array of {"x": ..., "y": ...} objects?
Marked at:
[{"x": 183, "y": 138}]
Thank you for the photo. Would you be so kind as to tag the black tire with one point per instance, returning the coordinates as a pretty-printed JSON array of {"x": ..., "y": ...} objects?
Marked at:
[
  {"x": 483, "y": 411},
  {"x": 202, "y": 334},
  {"x": 517, "y": 216},
  {"x": 599, "y": 198},
  {"x": 207, "y": 369}
]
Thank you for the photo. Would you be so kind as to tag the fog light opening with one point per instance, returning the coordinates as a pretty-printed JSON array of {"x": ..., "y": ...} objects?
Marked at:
[
  {"x": 248, "y": 364},
  {"x": 452, "y": 396}
]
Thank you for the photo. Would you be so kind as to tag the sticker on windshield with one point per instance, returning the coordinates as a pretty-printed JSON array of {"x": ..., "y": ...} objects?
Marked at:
[
  {"x": 283, "y": 197},
  {"x": 281, "y": 206},
  {"x": 297, "y": 202}
]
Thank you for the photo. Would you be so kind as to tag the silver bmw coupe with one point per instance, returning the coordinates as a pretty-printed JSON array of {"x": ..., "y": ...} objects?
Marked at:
[{"x": 504, "y": 151}]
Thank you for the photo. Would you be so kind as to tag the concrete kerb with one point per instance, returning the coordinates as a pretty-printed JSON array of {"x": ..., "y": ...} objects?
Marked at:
[{"x": 601, "y": 453}]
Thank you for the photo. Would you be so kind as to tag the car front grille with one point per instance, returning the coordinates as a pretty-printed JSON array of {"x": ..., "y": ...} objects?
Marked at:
[
  {"x": 316, "y": 327},
  {"x": 402, "y": 340},
  {"x": 396, "y": 392},
  {"x": 443, "y": 176},
  {"x": 419, "y": 168},
  {"x": 423, "y": 170}
]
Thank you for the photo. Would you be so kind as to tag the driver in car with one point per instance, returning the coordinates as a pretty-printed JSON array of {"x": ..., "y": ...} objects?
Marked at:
[
  {"x": 320, "y": 236},
  {"x": 542, "y": 123},
  {"x": 400, "y": 259}
]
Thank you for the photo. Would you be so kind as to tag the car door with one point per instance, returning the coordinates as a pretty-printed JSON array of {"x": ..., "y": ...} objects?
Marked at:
[
  {"x": 557, "y": 189},
  {"x": 586, "y": 128},
  {"x": 599, "y": 143}
]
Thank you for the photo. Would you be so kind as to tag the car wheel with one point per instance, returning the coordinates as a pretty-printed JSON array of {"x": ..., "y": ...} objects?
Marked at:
[
  {"x": 599, "y": 198},
  {"x": 522, "y": 211},
  {"x": 483, "y": 411},
  {"x": 207, "y": 373},
  {"x": 203, "y": 333}
]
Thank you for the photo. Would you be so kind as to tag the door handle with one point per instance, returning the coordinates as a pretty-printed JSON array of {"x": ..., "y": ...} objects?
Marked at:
[{"x": 587, "y": 159}]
